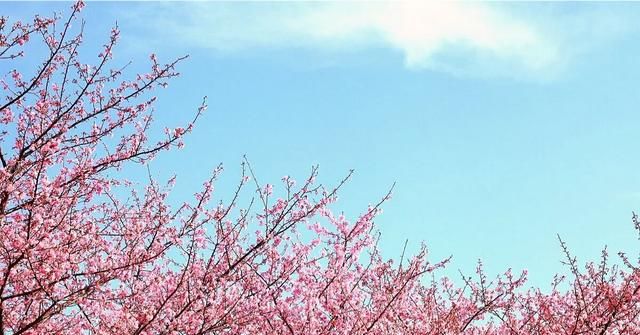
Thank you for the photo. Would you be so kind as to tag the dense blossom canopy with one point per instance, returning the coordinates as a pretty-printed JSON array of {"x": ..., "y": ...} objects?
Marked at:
[{"x": 84, "y": 251}]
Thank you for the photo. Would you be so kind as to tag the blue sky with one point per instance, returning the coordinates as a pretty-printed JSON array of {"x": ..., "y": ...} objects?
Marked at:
[{"x": 502, "y": 124}]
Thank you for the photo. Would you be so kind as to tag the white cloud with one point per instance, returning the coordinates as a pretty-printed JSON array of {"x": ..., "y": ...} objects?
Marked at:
[
  {"x": 421, "y": 30},
  {"x": 458, "y": 37}
]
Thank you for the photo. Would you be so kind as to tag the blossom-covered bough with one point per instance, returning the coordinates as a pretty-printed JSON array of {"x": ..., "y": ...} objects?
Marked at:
[{"x": 84, "y": 251}]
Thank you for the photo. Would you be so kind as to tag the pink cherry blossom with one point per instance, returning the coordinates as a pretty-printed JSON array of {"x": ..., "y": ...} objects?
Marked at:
[{"x": 83, "y": 250}]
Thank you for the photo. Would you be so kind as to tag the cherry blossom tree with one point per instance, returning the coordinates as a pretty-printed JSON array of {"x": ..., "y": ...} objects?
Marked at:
[{"x": 85, "y": 251}]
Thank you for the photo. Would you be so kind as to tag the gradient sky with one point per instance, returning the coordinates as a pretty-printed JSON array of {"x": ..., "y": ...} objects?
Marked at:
[{"x": 502, "y": 124}]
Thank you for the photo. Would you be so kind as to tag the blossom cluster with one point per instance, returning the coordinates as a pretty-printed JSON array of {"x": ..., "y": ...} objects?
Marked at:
[{"x": 85, "y": 251}]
